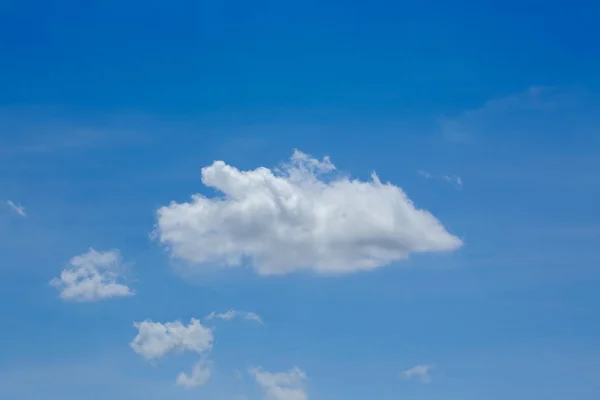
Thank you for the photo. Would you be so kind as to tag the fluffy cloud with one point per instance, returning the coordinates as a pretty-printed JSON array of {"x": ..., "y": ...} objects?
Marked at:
[
  {"x": 92, "y": 276},
  {"x": 155, "y": 340},
  {"x": 281, "y": 385},
  {"x": 298, "y": 217},
  {"x": 19, "y": 209},
  {"x": 199, "y": 376},
  {"x": 231, "y": 314},
  {"x": 419, "y": 371}
]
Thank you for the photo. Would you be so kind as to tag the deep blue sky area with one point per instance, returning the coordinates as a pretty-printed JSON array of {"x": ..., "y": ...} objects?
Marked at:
[
  {"x": 486, "y": 114},
  {"x": 376, "y": 57}
]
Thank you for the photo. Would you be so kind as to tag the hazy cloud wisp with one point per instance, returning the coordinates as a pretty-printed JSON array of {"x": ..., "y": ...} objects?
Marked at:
[
  {"x": 454, "y": 179},
  {"x": 419, "y": 371},
  {"x": 18, "y": 208},
  {"x": 200, "y": 375}
]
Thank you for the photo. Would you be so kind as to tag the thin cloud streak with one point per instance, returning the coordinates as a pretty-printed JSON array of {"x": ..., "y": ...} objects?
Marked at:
[
  {"x": 231, "y": 314},
  {"x": 454, "y": 179},
  {"x": 18, "y": 208}
]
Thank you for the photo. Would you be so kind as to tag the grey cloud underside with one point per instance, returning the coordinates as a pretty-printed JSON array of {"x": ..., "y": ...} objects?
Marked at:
[{"x": 299, "y": 217}]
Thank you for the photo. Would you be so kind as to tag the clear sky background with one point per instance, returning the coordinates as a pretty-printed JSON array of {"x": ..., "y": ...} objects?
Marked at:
[{"x": 485, "y": 114}]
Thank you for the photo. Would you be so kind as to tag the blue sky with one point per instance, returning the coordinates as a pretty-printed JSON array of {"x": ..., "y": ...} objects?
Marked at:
[{"x": 108, "y": 112}]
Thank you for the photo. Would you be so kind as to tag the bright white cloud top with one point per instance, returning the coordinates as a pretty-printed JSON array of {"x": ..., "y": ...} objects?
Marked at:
[
  {"x": 281, "y": 385},
  {"x": 419, "y": 371},
  {"x": 156, "y": 340},
  {"x": 299, "y": 217},
  {"x": 231, "y": 314},
  {"x": 92, "y": 276}
]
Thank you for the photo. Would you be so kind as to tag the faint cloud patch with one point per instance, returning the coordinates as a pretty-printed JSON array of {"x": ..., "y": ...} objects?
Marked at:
[
  {"x": 453, "y": 179},
  {"x": 18, "y": 208},
  {"x": 201, "y": 373},
  {"x": 539, "y": 109},
  {"x": 544, "y": 135},
  {"x": 419, "y": 371}
]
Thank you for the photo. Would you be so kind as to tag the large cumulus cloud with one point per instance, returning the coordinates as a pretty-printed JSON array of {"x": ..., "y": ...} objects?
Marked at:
[{"x": 298, "y": 217}]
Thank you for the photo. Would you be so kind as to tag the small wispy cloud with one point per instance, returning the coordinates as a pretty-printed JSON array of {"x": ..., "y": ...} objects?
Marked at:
[
  {"x": 419, "y": 371},
  {"x": 454, "y": 179},
  {"x": 231, "y": 314},
  {"x": 18, "y": 208},
  {"x": 92, "y": 276}
]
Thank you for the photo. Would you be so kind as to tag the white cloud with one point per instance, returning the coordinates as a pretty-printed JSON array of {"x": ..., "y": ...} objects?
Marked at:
[
  {"x": 454, "y": 179},
  {"x": 92, "y": 276},
  {"x": 18, "y": 208},
  {"x": 200, "y": 375},
  {"x": 281, "y": 385},
  {"x": 155, "y": 340},
  {"x": 419, "y": 371},
  {"x": 299, "y": 217},
  {"x": 231, "y": 314}
]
